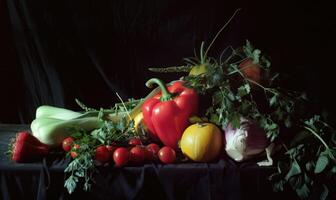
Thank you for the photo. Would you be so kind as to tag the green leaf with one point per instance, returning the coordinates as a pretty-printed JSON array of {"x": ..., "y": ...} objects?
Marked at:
[
  {"x": 79, "y": 173},
  {"x": 321, "y": 164},
  {"x": 248, "y": 49},
  {"x": 230, "y": 95},
  {"x": 295, "y": 181},
  {"x": 70, "y": 184},
  {"x": 288, "y": 122},
  {"x": 72, "y": 166},
  {"x": 235, "y": 120},
  {"x": 121, "y": 126},
  {"x": 310, "y": 166},
  {"x": 101, "y": 113},
  {"x": 256, "y": 55},
  {"x": 245, "y": 107},
  {"x": 303, "y": 192},
  {"x": 279, "y": 186},
  {"x": 266, "y": 64},
  {"x": 244, "y": 90},
  {"x": 273, "y": 100},
  {"x": 333, "y": 169},
  {"x": 294, "y": 170},
  {"x": 217, "y": 97},
  {"x": 87, "y": 186},
  {"x": 312, "y": 121},
  {"x": 214, "y": 118}
]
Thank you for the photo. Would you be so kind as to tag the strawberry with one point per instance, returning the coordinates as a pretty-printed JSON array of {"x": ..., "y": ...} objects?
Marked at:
[{"x": 27, "y": 148}]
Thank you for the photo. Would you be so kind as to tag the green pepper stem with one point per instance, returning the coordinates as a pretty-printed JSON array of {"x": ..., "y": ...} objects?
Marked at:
[{"x": 166, "y": 96}]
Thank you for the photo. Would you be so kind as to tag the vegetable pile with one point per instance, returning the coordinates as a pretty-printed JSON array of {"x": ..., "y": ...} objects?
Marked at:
[{"x": 217, "y": 108}]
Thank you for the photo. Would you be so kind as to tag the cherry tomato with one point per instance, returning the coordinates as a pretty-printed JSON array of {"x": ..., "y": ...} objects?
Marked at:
[
  {"x": 67, "y": 143},
  {"x": 167, "y": 155},
  {"x": 102, "y": 154},
  {"x": 137, "y": 155},
  {"x": 154, "y": 148},
  {"x": 121, "y": 156},
  {"x": 152, "y": 151},
  {"x": 134, "y": 141},
  {"x": 111, "y": 149},
  {"x": 251, "y": 70},
  {"x": 74, "y": 153}
]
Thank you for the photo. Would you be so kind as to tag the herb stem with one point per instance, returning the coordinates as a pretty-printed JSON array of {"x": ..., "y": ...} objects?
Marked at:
[
  {"x": 238, "y": 70},
  {"x": 171, "y": 69},
  {"x": 124, "y": 105},
  {"x": 218, "y": 33},
  {"x": 264, "y": 88},
  {"x": 318, "y": 136},
  {"x": 221, "y": 55},
  {"x": 166, "y": 95}
]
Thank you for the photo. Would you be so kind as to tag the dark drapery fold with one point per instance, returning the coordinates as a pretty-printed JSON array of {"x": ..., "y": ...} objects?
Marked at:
[
  {"x": 41, "y": 79},
  {"x": 91, "y": 50}
]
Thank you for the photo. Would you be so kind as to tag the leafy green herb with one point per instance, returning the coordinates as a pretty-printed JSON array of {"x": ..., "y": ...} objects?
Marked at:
[
  {"x": 118, "y": 130},
  {"x": 310, "y": 156},
  {"x": 311, "y": 160}
]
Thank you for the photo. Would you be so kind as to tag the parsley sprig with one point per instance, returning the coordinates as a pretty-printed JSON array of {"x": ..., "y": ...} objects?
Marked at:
[
  {"x": 116, "y": 128},
  {"x": 309, "y": 161}
]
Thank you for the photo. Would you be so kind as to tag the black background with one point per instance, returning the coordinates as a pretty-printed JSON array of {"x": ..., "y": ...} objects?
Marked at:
[{"x": 83, "y": 41}]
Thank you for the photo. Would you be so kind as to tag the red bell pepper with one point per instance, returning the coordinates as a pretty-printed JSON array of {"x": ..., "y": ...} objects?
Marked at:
[{"x": 167, "y": 114}]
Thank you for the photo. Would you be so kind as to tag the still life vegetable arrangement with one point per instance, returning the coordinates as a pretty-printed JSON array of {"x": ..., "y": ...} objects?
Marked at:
[{"x": 218, "y": 108}]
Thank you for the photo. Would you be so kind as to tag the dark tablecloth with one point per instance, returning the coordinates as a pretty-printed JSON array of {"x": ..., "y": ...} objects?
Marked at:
[{"x": 223, "y": 179}]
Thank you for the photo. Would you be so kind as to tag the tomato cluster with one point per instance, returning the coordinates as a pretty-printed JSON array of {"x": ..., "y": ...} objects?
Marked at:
[{"x": 134, "y": 154}]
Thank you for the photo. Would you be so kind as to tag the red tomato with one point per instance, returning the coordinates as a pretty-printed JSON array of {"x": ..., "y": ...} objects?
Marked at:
[
  {"x": 154, "y": 148},
  {"x": 67, "y": 143},
  {"x": 137, "y": 155},
  {"x": 152, "y": 151},
  {"x": 167, "y": 155},
  {"x": 111, "y": 149},
  {"x": 149, "y": 155},
  {"x": 102, "y": 154},
  {"x": 250, "y": 70},
  {"x": 73, "y": 153},
  {"x": 121, "y": 156},
  {"x": 134, "y": 141}
]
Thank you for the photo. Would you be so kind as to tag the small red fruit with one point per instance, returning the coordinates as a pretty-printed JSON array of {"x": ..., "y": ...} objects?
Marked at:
[
  {"x": 251, "y": 70},
  {"x": 167, "y": 155},
  {"x": 152, "y": 151},
  {"x": 134, "y": 141},
  {"x": 67, "y": 143},
  {"x": 154, "y": 148},
  {"x": 74, "y": 153},
  {"x": 111, "y": 149},
  {"x": 121, "y": 156},
  {"x": 27, "y": 148},
  {"x": 102, "y": 154},
  {"x": 149, "y": 155},
  {"x": 137, "y": 155}
]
